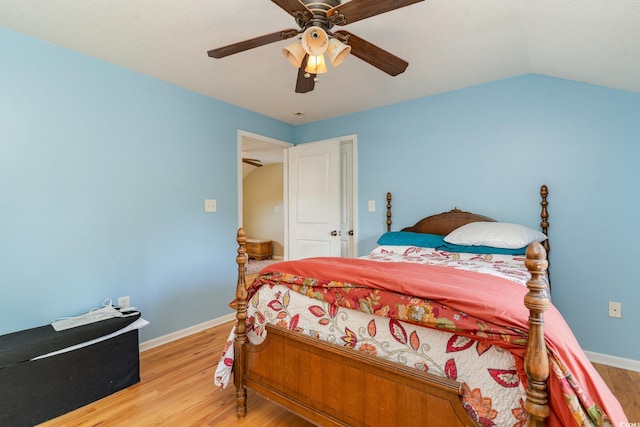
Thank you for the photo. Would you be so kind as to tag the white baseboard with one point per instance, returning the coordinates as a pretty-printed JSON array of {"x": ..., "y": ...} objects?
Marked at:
[
  {"x": 615, "y": 361},
  {"x": 165, "y": 339}
]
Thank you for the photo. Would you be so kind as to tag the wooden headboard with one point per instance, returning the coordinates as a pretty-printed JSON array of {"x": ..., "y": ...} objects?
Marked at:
[{"x": 444, "y": 223}]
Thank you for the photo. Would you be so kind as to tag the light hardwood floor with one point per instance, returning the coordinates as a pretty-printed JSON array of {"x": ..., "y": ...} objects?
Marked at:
[{"x": 176, "y": 389}]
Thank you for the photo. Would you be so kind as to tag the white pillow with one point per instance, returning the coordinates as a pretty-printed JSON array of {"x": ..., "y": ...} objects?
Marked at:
[{"x": 494, "y": 234}]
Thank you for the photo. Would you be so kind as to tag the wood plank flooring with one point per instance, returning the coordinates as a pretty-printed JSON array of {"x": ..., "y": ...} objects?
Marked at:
[{"x": 176, "y": 389}]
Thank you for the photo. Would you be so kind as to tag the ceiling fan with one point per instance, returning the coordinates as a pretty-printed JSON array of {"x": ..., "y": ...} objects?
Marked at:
[
  {"x": 316, "y": 18},
  {"x": 253, "y": 162}
]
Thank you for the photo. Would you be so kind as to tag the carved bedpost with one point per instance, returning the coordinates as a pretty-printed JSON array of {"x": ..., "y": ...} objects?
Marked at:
[
  {"x": 241, "y": 328},
  {"x": 544, "y": 224},
  {"x": 544, "y": 215},
  {"x": 536, "y": 359},
  {"x": 388, "y": 212}
]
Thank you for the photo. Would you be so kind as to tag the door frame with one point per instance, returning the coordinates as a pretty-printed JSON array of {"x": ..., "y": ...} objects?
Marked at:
[{"x": 353, "y": 139}]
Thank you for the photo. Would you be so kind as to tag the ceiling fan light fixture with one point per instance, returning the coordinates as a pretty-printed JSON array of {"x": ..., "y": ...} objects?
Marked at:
[
  {"x": 315, "y": 41},
  {"x": 294, "y": 53},
  {"x": 337, "y": 52},
  {"x": 316, "y": 65},
  {"x": 315, "y": 19}
]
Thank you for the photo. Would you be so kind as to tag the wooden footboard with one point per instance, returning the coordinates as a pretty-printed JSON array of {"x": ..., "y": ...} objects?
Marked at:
[{"x": 354, "y": 389}]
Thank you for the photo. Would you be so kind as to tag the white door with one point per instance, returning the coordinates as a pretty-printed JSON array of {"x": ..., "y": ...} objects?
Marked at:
[{"x": 314, "y": 199}]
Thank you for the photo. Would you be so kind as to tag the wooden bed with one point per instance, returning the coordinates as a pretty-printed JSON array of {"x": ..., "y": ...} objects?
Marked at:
[{"x": 337, "y": 398}]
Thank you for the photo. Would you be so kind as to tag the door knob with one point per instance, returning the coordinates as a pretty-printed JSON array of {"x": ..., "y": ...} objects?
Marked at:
[
  {"x": 350, "y": 232},
  {"x": 334, "y": 233}
]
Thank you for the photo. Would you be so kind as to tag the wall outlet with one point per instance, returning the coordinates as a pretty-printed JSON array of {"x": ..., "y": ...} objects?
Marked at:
[
  {"x": 124, "y": 302},
  {"x": 615, "y": 309},
  {"x": 210, "y": 205},
  {"x": 372, "y": 205}
]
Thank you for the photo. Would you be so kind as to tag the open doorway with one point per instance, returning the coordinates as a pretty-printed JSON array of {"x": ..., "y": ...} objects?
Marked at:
[
  {"x": 267, "y": 203},
  {"x": 262, "y": 198}
]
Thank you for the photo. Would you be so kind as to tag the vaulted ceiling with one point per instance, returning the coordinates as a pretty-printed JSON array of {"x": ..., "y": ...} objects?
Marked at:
[{"x": 449, "y": 44}]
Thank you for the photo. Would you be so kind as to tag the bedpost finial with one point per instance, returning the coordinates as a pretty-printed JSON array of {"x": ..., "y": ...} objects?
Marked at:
[
  {"x": 536, "y": 262},
  {"x": 241, "y": 236},
  {"x": 536, "y": 251}
]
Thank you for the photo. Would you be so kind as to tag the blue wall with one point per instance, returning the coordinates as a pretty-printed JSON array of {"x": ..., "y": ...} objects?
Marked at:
[
  {"x": 488, "y": 149},
  {"x": 103, "y": 176},
  {"x": 103, "y": 173}
]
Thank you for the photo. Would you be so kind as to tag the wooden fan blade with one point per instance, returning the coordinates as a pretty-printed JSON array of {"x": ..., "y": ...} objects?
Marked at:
[
  {"x": 252, "y": 162},
  {"x": 295, "y": 8},
  {"x": 304, "y": 84},
  {"x": 378, "y": 57},
  {"x": 356, "y": 10},
  {"x": 221, "y": 52}
]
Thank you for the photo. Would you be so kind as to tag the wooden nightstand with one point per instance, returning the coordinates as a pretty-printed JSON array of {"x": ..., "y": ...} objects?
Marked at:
[{"x": 259, "y": 249}]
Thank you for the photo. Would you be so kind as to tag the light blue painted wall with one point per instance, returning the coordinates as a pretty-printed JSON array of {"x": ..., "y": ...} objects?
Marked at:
[
  {"x": 103, "y": 173},
  {"x": 488, "y": 149},
  {"x": 103, "y": 176}
]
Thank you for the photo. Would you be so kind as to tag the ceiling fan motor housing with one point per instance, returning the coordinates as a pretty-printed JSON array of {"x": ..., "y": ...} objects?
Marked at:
[{"x": 319, "y": 10}]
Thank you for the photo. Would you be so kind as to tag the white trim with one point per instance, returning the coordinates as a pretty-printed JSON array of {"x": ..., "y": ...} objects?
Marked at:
[
  {"x": 354, "y": 180},
  {"x": 615, "y": 361},
  {"x": 173, "y": 336}
]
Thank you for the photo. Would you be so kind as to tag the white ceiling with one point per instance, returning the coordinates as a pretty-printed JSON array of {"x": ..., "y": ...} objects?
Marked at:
[{"x": 449, "y": 44}]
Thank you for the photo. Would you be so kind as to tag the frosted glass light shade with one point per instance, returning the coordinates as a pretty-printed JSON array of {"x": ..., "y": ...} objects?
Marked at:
[
  {"x": 337, "y": 52},
  {"x": 316, "y": 65},
  {"x": 294, "y": 53},
  {"x": 315, "y": 41}
]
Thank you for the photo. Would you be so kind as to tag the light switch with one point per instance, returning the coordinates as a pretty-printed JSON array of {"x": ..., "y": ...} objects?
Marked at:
[
  {"x": 210, "y": 205},
  {"x": 372, "y": 205}
]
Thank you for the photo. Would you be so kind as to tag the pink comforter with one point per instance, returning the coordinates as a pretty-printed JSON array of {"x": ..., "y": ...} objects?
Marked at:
[{"x": 482, "y": 307}]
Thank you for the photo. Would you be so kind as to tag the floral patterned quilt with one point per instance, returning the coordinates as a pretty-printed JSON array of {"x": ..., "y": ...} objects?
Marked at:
[
  {"x": 423, "y": 328},
  {"x": 509, "y": 267}
]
